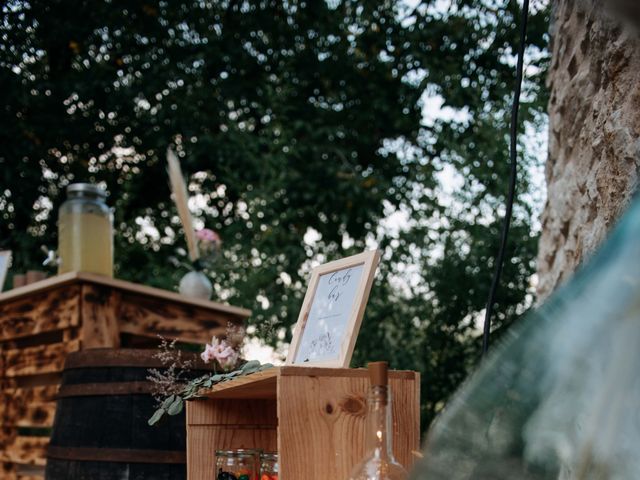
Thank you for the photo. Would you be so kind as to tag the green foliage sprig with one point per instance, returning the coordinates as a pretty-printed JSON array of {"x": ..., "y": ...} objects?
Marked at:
[{"x": 174, "y": 404}]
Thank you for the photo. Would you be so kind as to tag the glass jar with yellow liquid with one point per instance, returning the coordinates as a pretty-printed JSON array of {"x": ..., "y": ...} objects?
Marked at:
[{"x": 85, "y": 231}]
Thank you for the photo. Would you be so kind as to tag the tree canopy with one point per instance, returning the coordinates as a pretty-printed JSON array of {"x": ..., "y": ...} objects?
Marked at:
[{"x": 309, "y": 130}]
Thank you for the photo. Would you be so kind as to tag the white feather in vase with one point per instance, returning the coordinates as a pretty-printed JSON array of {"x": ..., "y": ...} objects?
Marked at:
[{"x": 181, "y": 198}]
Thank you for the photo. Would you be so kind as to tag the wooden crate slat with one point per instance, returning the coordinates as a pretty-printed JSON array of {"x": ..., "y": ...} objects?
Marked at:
[
  {"x": 34, "y": 416},
  {"x": 29, "y": 472},
  {"x": 39, "y": 395},
  {"x": 100, "y": 311},
  {"x": 141, "y": 336},
  {"x": 25, "y": 449},
  {"x": 30, "y": 381},
  {"x": 329, "y": 413},
  {"x": 48, "y": 311},
  {"x": 38, "y": 360},
  {"x": 257, "y": 385},
  {"x": 74, "y": 278},
  {"x": 8, "y": 471},
  {"x": 234, "y": 412},
  {"x": 7, "y": 436},
  {"x": 28, "y": 407},
  {"x": 140, "y": 314}
]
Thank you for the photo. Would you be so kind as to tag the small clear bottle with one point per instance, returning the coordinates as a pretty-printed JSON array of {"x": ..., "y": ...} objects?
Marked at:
[
  {"x": 379, "y": 462},
  {"x": 85, "y": 231}
]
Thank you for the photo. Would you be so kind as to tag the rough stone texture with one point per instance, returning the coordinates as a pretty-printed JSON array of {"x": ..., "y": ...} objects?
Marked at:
[{"x": 594, "y": 134}]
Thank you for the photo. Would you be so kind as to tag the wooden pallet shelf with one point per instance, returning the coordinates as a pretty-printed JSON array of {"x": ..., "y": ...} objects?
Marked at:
[
  {"x": 313, "y": 417},
  {"x": 42, "y": 322}
]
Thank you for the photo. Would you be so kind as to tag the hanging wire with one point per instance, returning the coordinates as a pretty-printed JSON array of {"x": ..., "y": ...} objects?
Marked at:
[{"x": 512, "y": 180}]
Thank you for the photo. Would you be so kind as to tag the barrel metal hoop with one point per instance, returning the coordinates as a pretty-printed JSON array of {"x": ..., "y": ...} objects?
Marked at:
[
  {"x": 117, "y": 455},
  {"x": 106, "y": 389}
]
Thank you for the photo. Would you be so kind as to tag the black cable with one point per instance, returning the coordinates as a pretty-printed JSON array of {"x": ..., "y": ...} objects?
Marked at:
[{"x": 512, "y": 180}]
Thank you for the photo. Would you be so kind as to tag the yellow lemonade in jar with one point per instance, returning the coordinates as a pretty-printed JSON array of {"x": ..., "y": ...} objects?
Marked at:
[
  {"x": 85, "y": 244},
  {"x": 85, "y": 232}
]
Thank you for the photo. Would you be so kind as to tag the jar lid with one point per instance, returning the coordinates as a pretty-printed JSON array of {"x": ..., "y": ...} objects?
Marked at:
[
  {"x": 89, "y": 188},
  {"x": 269, "y": 456},
  {"x": 236, "y": 453}
]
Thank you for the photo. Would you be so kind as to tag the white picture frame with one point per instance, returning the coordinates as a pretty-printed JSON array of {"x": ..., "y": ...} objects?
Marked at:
[
  {"x": 329, "y": 320},
  {"x": 5, "y": 262}
]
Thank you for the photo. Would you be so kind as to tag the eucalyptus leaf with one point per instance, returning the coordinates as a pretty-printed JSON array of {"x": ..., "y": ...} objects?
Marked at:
[
  {"x": 168, "y": 401},
  {"x": 155, "y": 418},
  {"x": 176, "y": 407},
  {"x": 250, "y": 365}
]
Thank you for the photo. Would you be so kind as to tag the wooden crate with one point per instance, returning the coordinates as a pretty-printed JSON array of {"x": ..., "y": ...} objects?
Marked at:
[
  {"x": 42, "y": 322},
  {"x": 313, "y": 417}
]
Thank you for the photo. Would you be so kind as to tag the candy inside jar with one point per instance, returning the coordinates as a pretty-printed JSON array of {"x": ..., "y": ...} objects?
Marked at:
[
  {"x": 269, "y": 468},
  {"x": 237, "y": 464}
]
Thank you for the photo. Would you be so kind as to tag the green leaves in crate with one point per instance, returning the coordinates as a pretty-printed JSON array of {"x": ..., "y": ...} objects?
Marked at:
[{"x": 174, "y": 404}]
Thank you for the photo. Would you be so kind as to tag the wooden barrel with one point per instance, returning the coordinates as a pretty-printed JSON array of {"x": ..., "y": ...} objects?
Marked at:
[{"x": 100, "y": 429}]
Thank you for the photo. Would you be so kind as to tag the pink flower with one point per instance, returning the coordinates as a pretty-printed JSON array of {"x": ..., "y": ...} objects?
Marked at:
[
  {"x": 207, "y": 355},
  {"x": 221, "y": 352},
  {"x": 207, "y": 235},
  {"x": 208, "y": 242}
]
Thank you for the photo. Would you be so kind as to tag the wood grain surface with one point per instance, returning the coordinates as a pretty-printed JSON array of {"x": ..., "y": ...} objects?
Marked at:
[
  {"x": 25, "y": 450},
  {"x": 39, "y": 359},
  {"x": 316, "y": 414},
  {"x": 28, "y": 407},
  {"x": 44, "y": 312},
  {"x": 227, "y": 425},
  {"x": 100, "y": 313},
  {"x": 322, "y": 424},
  {"x": 84, "y": 277},
  {"x": 143, "y": 315}
]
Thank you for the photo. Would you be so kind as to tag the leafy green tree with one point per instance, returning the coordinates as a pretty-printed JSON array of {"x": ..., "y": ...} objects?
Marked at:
[{"x": 294, "y": 120}]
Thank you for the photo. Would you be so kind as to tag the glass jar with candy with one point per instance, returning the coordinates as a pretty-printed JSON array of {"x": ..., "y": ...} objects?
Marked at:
[
  {"x": 269, "y": 466},
  {"x": 237, "y": 464}
]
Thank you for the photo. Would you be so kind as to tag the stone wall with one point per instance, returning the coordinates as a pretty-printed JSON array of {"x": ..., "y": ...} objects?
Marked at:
[{"x": 594, "y": 133}]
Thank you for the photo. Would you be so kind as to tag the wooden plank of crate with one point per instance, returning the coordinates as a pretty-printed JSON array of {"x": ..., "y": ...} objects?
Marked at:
[
  {"x": 38, "y": 360},
  {"x": 100, "y": 311},
  {"x": 29, "y": 381},
  {"x": 29, "y": 472},
  {"x": 143, "y": 315},
  {"x": 226, "y": 425},
  {"x": 263, "y": 384},
  {"x": 8, "y": 471},
  {"x": 25, "y": 449},
  {"x": 322, "y": 422},
  {"x": 232, "y": 412},
  {"x": 51, "y": 310},
  {"x": 73, "y": 278},
  {"x": 257, "y": 385},
  {"x": 28, "y": 407}
]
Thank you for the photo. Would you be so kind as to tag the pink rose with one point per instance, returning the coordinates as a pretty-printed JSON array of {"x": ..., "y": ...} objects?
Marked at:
[
  {"x": 207, "y": 355},
  {"x": 221, "y": 352}
]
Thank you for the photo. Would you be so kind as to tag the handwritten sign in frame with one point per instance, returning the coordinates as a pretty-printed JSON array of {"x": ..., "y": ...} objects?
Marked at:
[
  {"x": 5, "y": 262},
  {"x": 360, "y": 295}
]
